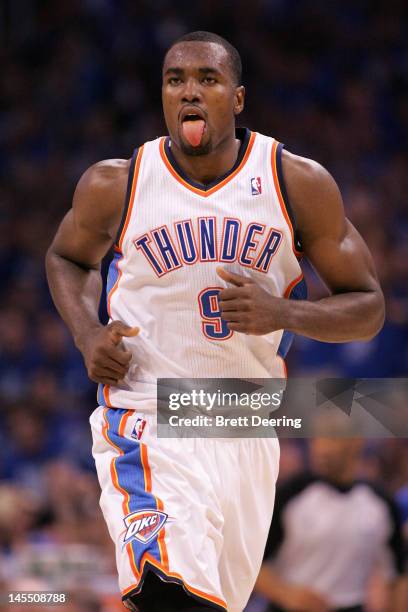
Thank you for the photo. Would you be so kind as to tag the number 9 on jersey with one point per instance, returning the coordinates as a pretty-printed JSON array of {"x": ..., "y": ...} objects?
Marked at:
[{"x": 214, "y": 328}]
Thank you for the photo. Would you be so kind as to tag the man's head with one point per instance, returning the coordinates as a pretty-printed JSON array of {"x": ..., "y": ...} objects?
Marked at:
[
  {"x": 334, "y": 449},
  {"x": 201, "y": 91},
  {"x": 336, "y": 458}
]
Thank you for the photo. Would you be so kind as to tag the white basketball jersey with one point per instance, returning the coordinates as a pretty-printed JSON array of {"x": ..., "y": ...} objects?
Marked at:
[{"x": 174, "y": 234}]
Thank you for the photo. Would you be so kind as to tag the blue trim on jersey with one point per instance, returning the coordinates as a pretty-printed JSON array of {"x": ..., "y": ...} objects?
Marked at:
[
  {"x": 299, "y": 292},
  {"x": 289, "y": 209},
  {"x": 113, "y": 272},
  {"x": 99, "y": 396},
  {"x": 129, "y": 469}
]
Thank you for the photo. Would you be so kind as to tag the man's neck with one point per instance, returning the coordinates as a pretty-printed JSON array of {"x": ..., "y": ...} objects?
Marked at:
[
  {"x": 205, "y": 169},
  {"x": 344, "y": 478}
]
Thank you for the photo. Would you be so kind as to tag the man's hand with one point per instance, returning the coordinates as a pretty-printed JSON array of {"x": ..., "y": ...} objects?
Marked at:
[
  {"x": 248, "y": 308},
  {"x": 106, "y": 360},
  {"x": 301, "y": 599},
  {"x": 288, "y": 596}
]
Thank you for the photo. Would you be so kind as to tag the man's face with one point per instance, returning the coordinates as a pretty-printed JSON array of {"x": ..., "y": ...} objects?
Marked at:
[
  {"x": 331, "y": 456},
  {"x": 198, "y": 85}
]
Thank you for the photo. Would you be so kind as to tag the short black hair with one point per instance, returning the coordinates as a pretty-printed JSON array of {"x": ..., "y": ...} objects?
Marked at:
[{"x": 233, "y": 55}]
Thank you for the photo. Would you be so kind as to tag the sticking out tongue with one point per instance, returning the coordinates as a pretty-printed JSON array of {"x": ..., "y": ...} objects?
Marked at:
[{"x": 193, "y": 131}]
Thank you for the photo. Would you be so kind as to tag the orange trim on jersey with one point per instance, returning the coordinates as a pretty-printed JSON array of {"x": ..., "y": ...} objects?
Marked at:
[
  {"x": 285, "y": 367},
  {"x": 197, "y": 190},
  {"x": 148, "y": 486},
  {"x": 106, "y": 396},
  {"x": 280, "y": 196},
  {"x": 149, "y": 559},
  {"x": 132, "y": 196},
  {"x": 123, "y": 421},
  {"x": 292, "y": 284}
]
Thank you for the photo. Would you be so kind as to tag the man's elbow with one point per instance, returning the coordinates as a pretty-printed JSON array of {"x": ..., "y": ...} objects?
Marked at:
[
  {"x": 50, "y": 257},
  {"x": 55, "y": 260},
  {"x": 375, "y": 317}
]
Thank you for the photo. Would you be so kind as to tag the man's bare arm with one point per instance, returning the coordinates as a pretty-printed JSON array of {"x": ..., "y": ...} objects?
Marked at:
[
  {"x": 355, "y": 308},
  {"x": 289, "y": 596},
  {"x": 398, "y": 595},
  {"x": 73, "y": 267}
]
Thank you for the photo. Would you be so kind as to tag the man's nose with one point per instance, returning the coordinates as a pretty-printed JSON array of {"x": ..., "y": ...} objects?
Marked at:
[{"x": 191, "y": 91}]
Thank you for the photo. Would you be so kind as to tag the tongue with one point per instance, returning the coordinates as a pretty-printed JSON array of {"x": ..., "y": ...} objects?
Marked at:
[{"x": 193, "y": 131}]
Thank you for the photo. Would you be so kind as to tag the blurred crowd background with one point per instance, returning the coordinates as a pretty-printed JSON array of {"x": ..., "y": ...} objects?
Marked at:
[{"x": 80, "y": 81}]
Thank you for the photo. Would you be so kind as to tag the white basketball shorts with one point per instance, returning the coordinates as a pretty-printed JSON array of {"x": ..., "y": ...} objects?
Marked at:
[{"x": 194, "y": 511}]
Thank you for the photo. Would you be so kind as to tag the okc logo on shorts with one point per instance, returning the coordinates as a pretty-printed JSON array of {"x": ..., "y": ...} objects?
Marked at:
[
  {"x": 256, "y": 185},
  {"x": 143, "y": 525}
]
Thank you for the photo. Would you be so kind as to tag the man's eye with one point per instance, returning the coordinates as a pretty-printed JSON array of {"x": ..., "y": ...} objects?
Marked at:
[
  {"x": 209, "y": 80},
  {"x": 174, "y": 81}
]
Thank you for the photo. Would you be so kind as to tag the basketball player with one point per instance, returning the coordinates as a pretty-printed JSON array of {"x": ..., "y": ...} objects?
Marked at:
[{"x": 206, "y": 259}]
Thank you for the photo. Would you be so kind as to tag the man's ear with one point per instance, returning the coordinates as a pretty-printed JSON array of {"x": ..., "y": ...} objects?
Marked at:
[{"x": 239, "y": 101}]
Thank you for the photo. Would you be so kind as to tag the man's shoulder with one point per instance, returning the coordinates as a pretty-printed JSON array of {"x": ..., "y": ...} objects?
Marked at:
[
  {"x": 106, "y": 173},
  {"x": 306, "y": 182},
  {"x": 303, "y": 172},
  {"x": 310, "y": 189},
  {"x": 100, "y": 194},
  {"x": 105, "y": 180}
]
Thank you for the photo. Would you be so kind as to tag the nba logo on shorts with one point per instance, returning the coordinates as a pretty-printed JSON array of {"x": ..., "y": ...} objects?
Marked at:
[
  {"x": 256, "y": 186},
  {"x": 138, "y": 429}
]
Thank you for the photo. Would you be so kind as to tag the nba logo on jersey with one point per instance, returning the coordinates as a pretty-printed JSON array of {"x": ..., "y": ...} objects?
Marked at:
[
  {"x": 256, "y": 186},
  {"x": 138, "y": 429}
]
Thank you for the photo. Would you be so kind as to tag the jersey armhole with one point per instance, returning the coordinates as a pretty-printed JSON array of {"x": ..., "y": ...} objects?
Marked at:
[
  {"x": 129, "y": 196},
  {"x": 280, "y": 186}
]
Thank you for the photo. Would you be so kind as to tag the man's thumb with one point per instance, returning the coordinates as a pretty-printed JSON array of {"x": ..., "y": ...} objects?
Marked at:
[{"x": 120, "y": 330}]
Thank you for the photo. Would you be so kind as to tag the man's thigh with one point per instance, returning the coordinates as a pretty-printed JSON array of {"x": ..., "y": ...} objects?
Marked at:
[{"x": 160, "y": 506}]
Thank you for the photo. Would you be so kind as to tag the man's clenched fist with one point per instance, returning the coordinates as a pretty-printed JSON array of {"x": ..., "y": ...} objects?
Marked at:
[
  {"x": 249, "y": 309},
  {"x": 106, "y": 360}
]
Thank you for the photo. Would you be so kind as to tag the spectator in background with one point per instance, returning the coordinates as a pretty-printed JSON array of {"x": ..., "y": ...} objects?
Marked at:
[{"x": 329, "y": 533}]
